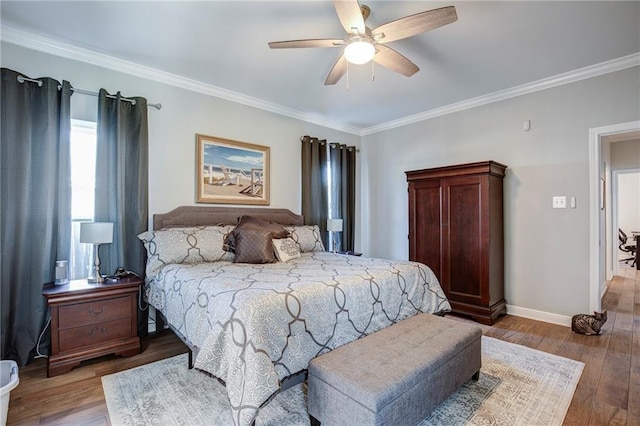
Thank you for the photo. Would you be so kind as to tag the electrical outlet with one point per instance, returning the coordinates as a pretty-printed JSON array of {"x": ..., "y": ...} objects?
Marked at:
[{"x": 559, "y": 202}]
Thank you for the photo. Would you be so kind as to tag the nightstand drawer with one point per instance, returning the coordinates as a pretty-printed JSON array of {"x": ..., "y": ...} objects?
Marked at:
[
  {"x": 94, "y": 334},
  {"x": 87, "y": 313}
]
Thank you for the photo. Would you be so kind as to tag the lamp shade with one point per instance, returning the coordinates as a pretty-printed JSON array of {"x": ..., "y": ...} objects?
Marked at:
[
  {"x": 334, "y": 225},
  {"x": 96, "y": 232}
]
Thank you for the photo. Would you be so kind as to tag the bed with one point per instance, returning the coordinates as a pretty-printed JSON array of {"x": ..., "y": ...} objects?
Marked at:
[{"x": 256, "y": 326}]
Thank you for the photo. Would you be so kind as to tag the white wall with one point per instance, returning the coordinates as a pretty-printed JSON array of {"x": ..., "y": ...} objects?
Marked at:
[
  {"x": 546, "y": 250},
  {"x": 172, "y": 129},
  {"x": 625, "y": 154},
  {"x": 629, "y": 202}
]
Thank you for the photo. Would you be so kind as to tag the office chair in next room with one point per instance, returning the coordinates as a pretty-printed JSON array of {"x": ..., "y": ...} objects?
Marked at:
[{"x": 627, "y": 248}]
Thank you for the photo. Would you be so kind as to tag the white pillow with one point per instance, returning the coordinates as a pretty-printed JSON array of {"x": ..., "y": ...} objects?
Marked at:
[
  {"x": 184, "y": 245},
  {"x": 307, "y": 237},
  {"x": 285, "y": 249}
]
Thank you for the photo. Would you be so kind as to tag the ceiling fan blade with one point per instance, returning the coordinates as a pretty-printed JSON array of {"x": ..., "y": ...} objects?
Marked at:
[
  {"x": 414, "y": 24},
  {"x": 350, "y": 15},
  {"x": 338, "y": 70},
  {"x": 318, "y": 42},
  {"x": 389, "y": 58}
]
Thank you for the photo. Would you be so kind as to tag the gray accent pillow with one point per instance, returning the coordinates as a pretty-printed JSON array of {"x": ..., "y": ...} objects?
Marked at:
[
  {"x": 184, "y": 245},
  {"x": 307, "y": 237}
]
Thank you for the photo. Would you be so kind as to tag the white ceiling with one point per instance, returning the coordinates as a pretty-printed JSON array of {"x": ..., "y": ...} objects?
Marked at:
[{"x": 492, "y": 47}]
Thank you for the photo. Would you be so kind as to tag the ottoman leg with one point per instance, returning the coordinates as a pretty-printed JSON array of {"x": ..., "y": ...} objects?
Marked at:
[
  {"x": 476, "y": 376},
  {"x": 314, "y": 421}
]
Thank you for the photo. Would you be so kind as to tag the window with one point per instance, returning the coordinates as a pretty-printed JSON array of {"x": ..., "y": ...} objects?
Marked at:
[{"x": 83, "y": 183}]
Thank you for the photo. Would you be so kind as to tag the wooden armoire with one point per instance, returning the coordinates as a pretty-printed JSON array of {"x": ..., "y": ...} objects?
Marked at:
[{"x": 456, "y": 228}]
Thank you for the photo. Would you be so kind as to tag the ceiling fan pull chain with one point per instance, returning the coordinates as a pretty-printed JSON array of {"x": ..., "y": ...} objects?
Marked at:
[
  {"x": 347, "y": 76},
  {"x": 373, "y": 71}
]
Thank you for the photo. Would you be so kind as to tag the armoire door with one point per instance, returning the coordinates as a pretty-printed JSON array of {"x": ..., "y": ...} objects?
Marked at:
[
  {"x": 465, "y": 239},
  {"x": 425, "y": 217}
]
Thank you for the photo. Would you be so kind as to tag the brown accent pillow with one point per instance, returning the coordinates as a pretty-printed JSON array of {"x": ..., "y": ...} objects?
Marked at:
[
  {"x": 255, "y": 245},
  {"x": 251, "y": 222}
]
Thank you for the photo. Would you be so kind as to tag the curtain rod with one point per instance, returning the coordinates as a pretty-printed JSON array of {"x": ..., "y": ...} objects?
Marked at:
[
  {"x": 22, "y": 79},
  {"x": 333, "y": 143}
]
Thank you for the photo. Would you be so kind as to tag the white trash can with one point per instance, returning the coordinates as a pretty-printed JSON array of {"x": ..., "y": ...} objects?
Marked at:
[{"x": 8, "y": 381}]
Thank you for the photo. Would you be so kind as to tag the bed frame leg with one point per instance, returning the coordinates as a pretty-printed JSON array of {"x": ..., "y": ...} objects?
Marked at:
[
  {"x": 160, "y": 322},
  {"x": 190, "y": 359},
  {"x": 476, "y": 376},
  {"x": 314, "y": 421}
]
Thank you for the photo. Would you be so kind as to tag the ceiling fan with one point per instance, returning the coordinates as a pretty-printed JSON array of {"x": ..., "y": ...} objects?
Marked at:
[{"x": 363, "y": 44}]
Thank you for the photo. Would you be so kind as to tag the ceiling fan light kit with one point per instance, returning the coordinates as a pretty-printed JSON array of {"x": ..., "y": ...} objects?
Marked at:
[
  {"x": 363, "y": 44},
  {"x": 360, "y": 50}
]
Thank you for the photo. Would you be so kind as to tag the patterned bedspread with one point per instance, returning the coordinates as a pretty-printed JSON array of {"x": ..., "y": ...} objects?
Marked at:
[{"x": 257, "y": 324}]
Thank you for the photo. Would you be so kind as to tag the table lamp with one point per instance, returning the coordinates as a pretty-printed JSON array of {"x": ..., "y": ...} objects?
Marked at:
[
  {"x": 96, "y": 233},
  {"x": 333, "y": 226}
]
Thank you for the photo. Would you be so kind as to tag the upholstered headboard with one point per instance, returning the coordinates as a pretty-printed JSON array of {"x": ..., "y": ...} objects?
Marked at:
[{"x": 200, "y": 216}]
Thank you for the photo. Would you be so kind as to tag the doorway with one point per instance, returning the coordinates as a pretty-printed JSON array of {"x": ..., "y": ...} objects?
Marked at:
[
  {"x": 626, "y": 205},
  {"x": 600, "y": 139}
]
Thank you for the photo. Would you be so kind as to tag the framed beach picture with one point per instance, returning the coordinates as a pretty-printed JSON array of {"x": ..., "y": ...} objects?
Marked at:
[{"x": 231, "y": 172}]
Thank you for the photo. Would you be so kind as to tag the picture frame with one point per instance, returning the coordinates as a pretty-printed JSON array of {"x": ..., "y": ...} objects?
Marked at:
[{"x": 231, "y": 172}]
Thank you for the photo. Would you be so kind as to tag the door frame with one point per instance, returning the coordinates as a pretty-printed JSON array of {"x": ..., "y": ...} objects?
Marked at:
[{"x": 597, "y": 251}]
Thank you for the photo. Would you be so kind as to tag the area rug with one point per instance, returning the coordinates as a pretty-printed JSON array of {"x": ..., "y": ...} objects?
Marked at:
[{"x": 517, "y": 386}]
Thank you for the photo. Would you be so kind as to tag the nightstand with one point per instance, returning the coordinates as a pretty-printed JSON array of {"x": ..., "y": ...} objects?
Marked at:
[{"x": 90, "y": 320}]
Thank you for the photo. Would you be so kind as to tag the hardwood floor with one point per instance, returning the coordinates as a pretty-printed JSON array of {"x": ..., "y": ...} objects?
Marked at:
[
  {"x": 608, "y": 392},
  {"x": 609, "y": 389},
  {"x": 76, "y": 398}
]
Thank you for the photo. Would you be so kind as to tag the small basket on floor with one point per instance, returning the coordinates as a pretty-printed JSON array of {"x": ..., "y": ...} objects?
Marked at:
[{"x": 8, "y": 381}]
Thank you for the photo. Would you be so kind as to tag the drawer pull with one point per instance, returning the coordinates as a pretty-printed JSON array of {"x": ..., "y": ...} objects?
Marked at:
[
  {"x": 92, "y": 312},
  {"x": 96, "y": 329}
]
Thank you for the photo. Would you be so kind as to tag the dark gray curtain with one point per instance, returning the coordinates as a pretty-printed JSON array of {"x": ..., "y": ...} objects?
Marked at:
[
  {"x": 36, "y": 205},
  {"x": 122, "y": 171},
  {"x": 342, "y": 161},
  {"x": 315, "y": 202}
]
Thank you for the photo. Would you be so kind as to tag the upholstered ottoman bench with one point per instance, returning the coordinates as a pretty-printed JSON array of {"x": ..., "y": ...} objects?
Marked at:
[{"x": 395, "y": 376}]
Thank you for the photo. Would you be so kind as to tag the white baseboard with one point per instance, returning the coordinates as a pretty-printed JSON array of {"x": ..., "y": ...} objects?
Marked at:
[
  {"x": 152, "y": 320},
  {"x": 151, "y": 326},
  {"x": 603, "y": 288},
  {"x": 539, "y": 315}
]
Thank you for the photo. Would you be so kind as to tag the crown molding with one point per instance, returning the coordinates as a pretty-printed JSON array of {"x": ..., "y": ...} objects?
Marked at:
[
  {"x": 613, "y": 65},
  {"x": 53, "y": 47},
  {"x": 57, "y": 48}
]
